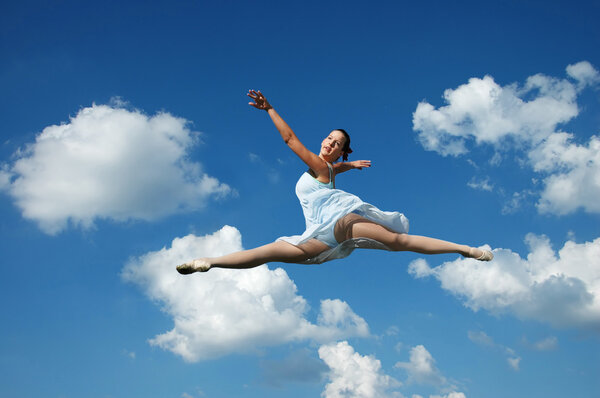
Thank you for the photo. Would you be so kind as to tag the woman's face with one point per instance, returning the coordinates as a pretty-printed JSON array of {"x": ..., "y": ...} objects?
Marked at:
[{"x": 331, "y": 147}]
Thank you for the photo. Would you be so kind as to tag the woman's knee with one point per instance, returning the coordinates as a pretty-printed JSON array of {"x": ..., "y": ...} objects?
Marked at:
[{"x": 400, "y": 242}]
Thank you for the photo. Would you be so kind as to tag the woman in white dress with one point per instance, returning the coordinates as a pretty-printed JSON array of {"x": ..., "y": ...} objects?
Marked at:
[{"x": 337, "y": 222}]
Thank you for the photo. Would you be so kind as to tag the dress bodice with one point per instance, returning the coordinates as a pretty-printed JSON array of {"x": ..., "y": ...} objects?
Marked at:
[
  {"x": 312, "y": 194},
  {"x": 308, "y": 184}
]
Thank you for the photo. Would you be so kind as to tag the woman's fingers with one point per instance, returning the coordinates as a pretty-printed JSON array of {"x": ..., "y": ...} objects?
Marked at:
[{"x": 260, "y": 102}]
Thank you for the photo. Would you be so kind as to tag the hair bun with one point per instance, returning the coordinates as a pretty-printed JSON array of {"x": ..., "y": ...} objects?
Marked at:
[{"x": 345, "y": 155}]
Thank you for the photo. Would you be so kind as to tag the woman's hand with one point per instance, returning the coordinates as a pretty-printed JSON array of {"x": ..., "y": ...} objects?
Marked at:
[
  {"x": 260, "y": 102},
  {"x": 359, "y": 164}
]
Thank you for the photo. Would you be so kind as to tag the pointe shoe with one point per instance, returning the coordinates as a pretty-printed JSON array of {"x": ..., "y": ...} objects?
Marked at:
[
  {"x": 199, "y": 265},
  {"x": 486, "y": 255}
]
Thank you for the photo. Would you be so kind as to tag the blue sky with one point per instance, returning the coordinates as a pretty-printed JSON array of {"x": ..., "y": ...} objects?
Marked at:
[{"x": 127, "y": 146}]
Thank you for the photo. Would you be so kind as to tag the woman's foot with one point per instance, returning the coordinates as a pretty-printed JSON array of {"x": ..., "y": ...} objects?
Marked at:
[
  {"x": 198, "y": 265},
  {"x": 481, "y": 255}
]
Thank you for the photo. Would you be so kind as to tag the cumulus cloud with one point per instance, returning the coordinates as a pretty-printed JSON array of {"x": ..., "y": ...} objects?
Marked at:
[
  {"x": 561, "y": 289},
  {"x": 574, "y": 174},
  {"x": 525, "y": 118},
  {"x": 584, "y": 73},
  {"x": 227, "y": 311},
  {"x": 108, "y": 162},
  {"x": 486, "y": 112},
  {"x": 421, "y": 368},
  {"x": 353, "y": 375}
]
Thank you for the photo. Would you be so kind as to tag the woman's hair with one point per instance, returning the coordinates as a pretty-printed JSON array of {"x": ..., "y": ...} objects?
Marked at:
[{"x": 346, "y": 149}]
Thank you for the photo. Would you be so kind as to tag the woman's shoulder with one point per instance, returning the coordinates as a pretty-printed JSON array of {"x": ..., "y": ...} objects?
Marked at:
[{"x": 324, "y": 176}]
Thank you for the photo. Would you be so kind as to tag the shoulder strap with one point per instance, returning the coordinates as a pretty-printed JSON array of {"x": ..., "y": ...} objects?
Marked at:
[{"x": 331, "y": 175}]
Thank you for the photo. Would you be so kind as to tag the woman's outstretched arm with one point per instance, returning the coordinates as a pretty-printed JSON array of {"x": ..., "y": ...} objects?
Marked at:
[
  {"x": 314, "y": 162},
  {"x": 345, "y": 166}
]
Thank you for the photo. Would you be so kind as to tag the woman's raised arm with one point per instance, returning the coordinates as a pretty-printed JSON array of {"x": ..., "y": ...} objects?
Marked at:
[{"x": 314, "y": 162}]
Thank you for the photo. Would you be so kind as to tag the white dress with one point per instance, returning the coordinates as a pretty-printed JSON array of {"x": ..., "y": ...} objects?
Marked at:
[{"x": 323, "y": 206}]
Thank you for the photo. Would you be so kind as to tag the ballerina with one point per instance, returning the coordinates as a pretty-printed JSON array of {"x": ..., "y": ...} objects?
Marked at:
[{"x": 337, "y": 222}]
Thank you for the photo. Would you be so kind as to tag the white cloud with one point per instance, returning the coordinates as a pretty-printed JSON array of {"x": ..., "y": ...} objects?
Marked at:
[
  {"x": 353, "y": 375},
  {"x": 231, "y": 311},
  {"x": 421, "y": 368},
  {"x": 584, "y": 73},
  {"x": 524, "y": 117},
  {"x": 575, "y": 181},
  {"x": 562, "y": 289},
  {"x": 108, "y": 163},
  {"x": 486, "y": 112}
]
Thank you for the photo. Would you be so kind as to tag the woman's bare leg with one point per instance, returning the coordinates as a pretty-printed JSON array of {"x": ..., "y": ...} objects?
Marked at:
[
  {"x": 278, "y": 251},
  {"x": 355, "y": 226}
]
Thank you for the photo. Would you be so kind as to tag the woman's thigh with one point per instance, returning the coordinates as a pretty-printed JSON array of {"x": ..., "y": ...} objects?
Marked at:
[
  {"x": 355, "y": 226},
  {"x": 302, "y": 252}
]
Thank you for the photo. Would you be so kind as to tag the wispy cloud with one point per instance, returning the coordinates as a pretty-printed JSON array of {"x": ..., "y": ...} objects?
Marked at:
[
  {"x": 514, "y": 362},
  {"x": 108, "y": 162},
  {"x": 482, "y": 185},
  {"x": 547, "y": 344},
  {"x": 272, "y": 172},
  {"x": 482, "y": 339},
  {"x": 232, "y": 311},
  {"x": 516, "y": 201},
  {"x": 129, "y": 354}
]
